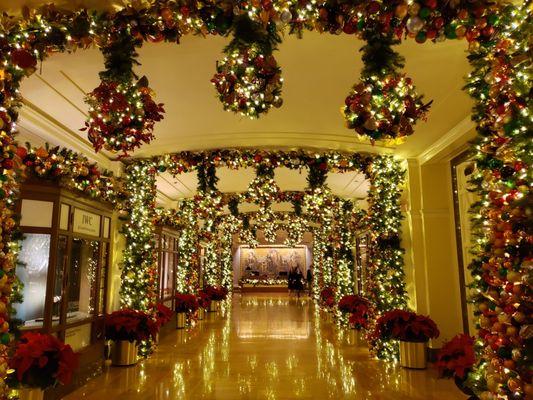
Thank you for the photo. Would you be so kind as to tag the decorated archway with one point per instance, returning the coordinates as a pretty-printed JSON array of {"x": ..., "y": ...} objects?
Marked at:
[{"x": 499, "y": 83}]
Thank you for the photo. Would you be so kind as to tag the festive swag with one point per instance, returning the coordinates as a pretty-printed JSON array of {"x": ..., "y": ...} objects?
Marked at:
[
  {"x": 332, "y": 220},
  {"x": 498, "y": 37}
]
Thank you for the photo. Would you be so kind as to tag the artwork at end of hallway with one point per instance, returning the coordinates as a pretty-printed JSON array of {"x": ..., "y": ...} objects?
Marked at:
[{"x": 271, "y": 262}]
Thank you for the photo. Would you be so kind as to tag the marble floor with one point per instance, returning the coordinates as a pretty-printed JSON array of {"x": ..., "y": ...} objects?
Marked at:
[{"x": 269, "y": 347}]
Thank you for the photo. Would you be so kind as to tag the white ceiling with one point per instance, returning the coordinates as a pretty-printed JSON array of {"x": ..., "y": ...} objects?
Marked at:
[
  {"x": 318, "y": 72},
  {"x": 351, "y": 185}
]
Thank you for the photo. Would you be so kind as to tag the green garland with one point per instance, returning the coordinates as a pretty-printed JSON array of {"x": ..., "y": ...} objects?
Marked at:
[{"x": 386, "y": 278}]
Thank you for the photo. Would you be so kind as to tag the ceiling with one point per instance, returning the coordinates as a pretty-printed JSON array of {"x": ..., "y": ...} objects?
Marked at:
[
  {"x": 351, "y": 185},
  {"x": 318, "y": 72}
]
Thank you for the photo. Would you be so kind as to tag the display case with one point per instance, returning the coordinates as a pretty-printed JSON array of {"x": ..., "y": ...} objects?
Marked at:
[
  {"x": 63, "y": 264},
  {"x": 167, "y": 250}
]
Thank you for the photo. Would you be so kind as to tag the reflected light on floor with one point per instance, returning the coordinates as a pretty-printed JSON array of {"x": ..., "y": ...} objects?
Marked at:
[{"x": 264, "y": 347}]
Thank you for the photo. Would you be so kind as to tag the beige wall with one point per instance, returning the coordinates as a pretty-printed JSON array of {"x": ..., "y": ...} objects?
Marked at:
[{"x": 432, "y": 247}]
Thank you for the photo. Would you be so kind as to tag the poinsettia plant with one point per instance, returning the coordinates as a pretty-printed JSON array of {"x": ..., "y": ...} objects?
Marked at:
[
  {"x": 406, "y": 326},
  {"x": 456, "y": 357},
  {"x": 204, "y": 300},
  {"x": 41, "y": 361},
  {"x": 186, "y": 303},
  {"x": 216, "y": 293},
  {"x": 327, "y": 296},
  {"x": 358, "y": 307},
  {"x": 130, "y": 325},
  {"x": 163, "y": 314}
]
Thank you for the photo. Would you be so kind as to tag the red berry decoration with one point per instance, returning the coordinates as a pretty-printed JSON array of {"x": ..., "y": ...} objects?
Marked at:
[{"x": 121, "y": 116}]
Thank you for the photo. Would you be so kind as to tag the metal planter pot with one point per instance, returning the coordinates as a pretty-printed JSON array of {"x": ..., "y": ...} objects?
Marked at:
[
  {"x": 413, "y": 355},
  {"x": 124, "y": 353},
  {"x": 31, "y": 394},
  {"x": 214, "y": 306},
  {"x": 181, "y": 320}
]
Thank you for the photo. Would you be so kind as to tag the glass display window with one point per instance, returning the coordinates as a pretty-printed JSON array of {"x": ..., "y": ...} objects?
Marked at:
[
  {"x": 166, "y": 241},
  {"x": 63, "y": 264}
]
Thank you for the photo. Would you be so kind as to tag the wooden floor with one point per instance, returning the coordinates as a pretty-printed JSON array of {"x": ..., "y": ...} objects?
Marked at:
[{"x": 269, "y": 347}]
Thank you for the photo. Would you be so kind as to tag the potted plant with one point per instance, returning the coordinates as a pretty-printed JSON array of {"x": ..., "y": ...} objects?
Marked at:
[
  {"x": 359, "y": 309},
  {"x": 126, "y": 328},
  {"x": 40, "y": 361},
  {"x": 204, "y": 301},
  {"x": 327, "y": 299},
  {"x": 412, "y": 330},
  {"x": 163, "y": 316},
  {"x": 185, "y": 304},
  {"x": 216, "y": 295},
  {"x": 455, "y": 360}
]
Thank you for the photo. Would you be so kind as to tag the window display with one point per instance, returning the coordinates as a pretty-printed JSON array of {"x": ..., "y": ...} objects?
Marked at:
[
  {"x": 167, "y": 242},
  {"x": 33, "y": 272},
  {"x": 64, "y": 265}
]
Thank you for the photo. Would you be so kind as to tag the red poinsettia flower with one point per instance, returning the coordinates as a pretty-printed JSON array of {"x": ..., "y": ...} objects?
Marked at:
[
  {"x": 456, "y": 356},
  {"x": 204, "y": 300},
  {"x": 406, "y": 326},
  {"x": 358, "y": 307},
  {"x": 186, "y": 303},
  {"x": 130, "y": 325},
  {"x": 163, "y": 314},
  {"x": 327, "y": 296},
  {"x": 216, "y": 293},
  {"x": 42, "y": 360}
]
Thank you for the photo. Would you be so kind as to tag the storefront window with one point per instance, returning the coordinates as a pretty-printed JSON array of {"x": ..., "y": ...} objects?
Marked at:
[
  {"x": 61, "y": 263},
  {"x": 82, "y": 279},
  {"x": 32, "y": 272}
]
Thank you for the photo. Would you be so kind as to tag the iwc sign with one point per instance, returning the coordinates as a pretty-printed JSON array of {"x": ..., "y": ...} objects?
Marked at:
[{"x": 86, "y": 222}]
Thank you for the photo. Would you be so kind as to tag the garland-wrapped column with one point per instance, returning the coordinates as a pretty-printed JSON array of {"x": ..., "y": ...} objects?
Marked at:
[
  {"x": 385, "y": 284},
  {"x": 139, "y": 272},
  {"x": 500, "y": 84},
  {"x": 186, "y": 266}
]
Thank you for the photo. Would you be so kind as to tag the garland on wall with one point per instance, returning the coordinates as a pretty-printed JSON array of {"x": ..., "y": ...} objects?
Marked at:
[{"x": 500, "y": 85}]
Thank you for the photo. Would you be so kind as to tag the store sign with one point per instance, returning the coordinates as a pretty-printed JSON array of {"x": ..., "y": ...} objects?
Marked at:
[{"x": 86, "y": 223}]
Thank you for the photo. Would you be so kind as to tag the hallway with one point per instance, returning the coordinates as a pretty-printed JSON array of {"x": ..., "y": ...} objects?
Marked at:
[{"x": 266, "y": 347}]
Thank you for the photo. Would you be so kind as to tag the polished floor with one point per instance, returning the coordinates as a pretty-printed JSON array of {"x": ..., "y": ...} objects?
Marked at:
[{"x": 269, "y": 347}]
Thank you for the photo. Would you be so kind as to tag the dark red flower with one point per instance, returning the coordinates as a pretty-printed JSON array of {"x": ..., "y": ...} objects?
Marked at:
[
  {"x": 130, "y": 325},
  {"x": 163, "y": 314},
  {"x": 42, "y": 360},
  {"x": 186, "y": 303},
  {"x": 406, "y": 326},
  {"x": 456, "y": 357}
]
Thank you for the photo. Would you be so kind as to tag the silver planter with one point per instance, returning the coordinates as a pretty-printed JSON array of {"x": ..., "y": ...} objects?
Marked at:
[
  {"x": 124, "y": 353},
  {"x": 413, "y": 355},
  {"x": 214, "y": 306},
  {"x": 181, "y": 320},
  {"x": 30, "y": 394}
]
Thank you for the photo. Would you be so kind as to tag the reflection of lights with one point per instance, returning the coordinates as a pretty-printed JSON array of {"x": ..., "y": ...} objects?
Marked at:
[{"x": 179, "y": 380}]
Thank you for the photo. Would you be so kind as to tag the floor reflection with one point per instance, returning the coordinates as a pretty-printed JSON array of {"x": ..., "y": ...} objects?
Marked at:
[{"x": 264, "y": 347}]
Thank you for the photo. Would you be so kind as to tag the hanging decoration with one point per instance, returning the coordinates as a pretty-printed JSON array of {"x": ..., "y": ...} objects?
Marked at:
[
  {"x": 384, "y": 104},
  {"x": 122, "y": 112},
  {"x": 248, "y": 79}
]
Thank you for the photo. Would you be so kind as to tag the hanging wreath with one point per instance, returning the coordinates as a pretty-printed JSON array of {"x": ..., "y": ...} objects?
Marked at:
[
  {"x": 384, "y": 105},
  {"x": 122, "y": 111},
  {"x": 248, "y": 80}
]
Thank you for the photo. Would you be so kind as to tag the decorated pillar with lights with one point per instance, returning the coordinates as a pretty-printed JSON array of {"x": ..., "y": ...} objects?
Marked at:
[
  {"x": 386, "y": 280},
  {"x": 139, "y": 272}
]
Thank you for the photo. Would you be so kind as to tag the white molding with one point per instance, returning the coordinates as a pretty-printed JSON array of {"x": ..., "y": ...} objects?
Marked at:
[
  {"x": 449, "y": 138},
  {"x": 38, "y": 124}
]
